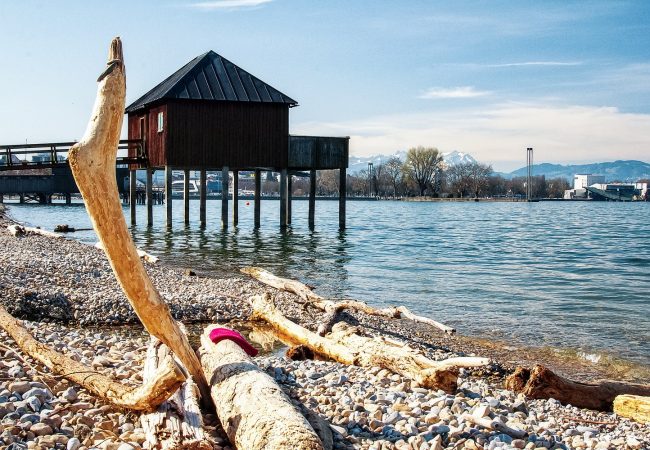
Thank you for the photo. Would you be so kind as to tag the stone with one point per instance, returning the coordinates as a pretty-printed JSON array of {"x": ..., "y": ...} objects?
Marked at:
[
  {"x": 73, "y": 444},
  {"x": 41, "y": 429},
  {"x": 20, "y": 387},
  {"x": 70, "y": 394}
]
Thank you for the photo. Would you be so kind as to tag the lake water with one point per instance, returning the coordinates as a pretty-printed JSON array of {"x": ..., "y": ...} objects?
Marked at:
[{"x": 570, "y": 275}]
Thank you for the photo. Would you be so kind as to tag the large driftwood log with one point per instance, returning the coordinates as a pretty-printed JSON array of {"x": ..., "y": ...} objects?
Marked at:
[
  {"x": 253, "y": 410},
  {"x": 633, "y": 407},
  {"x": 332, "y": 308},
  {"x": 540, "y": 382},
  {"x": 177, "y": 423},
  {"x": 152, "y": 393},
  {"x": 93, "y": 165},
  {"x": 345, "y": 345}
]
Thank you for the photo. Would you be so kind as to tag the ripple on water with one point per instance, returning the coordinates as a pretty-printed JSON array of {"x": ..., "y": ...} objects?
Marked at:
[{"x": 568, "y": 275}]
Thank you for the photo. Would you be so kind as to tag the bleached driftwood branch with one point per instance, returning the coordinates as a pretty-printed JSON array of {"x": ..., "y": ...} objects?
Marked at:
[
  {"x": 92, "y": 161},
  {"x": 177, "y": 423},
  {"x": 147, "y": 397},
  {"x": 345, "y": 344},
  {"x": 331, "y": 307}
]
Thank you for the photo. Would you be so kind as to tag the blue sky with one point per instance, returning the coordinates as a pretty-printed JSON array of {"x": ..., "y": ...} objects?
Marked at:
[{"x": 571, "y": 79}]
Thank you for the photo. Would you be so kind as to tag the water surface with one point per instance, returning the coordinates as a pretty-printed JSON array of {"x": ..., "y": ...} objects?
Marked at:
[{"x": 571, "y": 275}]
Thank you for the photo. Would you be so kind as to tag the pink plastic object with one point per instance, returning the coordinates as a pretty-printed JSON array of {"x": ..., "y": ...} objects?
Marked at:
[{"x": 219, "y": 334}]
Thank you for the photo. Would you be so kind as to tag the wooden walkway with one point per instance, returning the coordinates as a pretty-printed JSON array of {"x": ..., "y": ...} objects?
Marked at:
[{"x": 23, "y": 157}]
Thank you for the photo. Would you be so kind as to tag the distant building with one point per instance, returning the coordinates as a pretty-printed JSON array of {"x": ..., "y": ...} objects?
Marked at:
[{"x": 582, "y": 181}]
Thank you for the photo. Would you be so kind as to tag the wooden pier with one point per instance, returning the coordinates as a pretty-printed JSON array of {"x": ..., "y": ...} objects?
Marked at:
[{"x": 210, "y": 115}]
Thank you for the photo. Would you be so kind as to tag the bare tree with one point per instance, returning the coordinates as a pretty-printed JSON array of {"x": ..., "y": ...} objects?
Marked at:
[
  {"x": 421, "y": 166},
  {"x": 469, "y": 178},
  {"x": 394, "y": 172}
]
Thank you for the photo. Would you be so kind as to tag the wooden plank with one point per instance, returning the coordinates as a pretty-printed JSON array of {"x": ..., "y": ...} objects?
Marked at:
[
  {"x": 224, "y": 197},
  {"x": 186, "y": 196},
  {"x": 203, "y": 182},
  {"x": 258, "y": 197}
]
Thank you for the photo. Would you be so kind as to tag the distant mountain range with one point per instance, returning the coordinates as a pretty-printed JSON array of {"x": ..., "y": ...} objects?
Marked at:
[
  {"x": 621, "y": 170},
  {"x": 361, "y": 163}
]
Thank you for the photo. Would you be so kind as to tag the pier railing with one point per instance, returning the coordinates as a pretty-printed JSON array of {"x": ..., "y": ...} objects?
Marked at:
[{"x": 49, "y": 155}]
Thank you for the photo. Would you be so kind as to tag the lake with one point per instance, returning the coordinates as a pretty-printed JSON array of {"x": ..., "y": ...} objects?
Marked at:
[{"x": 567, "y": 275}]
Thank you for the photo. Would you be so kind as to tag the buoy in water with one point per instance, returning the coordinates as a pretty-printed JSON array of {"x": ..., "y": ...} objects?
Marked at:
[{"x": 248, "y": 203}]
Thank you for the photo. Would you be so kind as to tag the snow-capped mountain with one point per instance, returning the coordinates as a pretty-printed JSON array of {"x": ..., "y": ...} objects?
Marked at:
[{"x": 358, "y": 163}]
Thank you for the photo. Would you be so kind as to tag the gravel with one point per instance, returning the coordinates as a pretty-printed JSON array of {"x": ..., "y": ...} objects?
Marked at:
[{"x": 67, "y": 295}]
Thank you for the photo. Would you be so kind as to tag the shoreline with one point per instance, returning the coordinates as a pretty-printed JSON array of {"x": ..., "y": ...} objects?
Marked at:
[{"x": 68, "y": 287}]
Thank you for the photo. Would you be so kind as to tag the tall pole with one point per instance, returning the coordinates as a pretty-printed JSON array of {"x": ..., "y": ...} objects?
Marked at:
[
  {"x": 258, "y": 197},
  {"x": 235, "y": 198},
  {"x": 225, "y": 174},
  {"x": 168, "y": 194},
  {"x": 203, "y": 188},
  {"x": 529, "y": 173},
  {"x": 133, "y": 187},
  {"x": 186, "y": 196}
]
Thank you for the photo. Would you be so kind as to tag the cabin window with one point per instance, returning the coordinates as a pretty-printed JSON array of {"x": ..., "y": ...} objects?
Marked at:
[{"x": 160, "y": 122}]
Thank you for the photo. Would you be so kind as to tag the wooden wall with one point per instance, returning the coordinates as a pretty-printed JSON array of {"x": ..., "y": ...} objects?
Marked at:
[
  {"x": 155, "y": 141},
  {"x": 316, "y": 152},
  {"x": 239, "y": 135}
]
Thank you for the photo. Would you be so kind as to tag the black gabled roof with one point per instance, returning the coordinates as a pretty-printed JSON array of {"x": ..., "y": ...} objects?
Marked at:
[{"x": 212, "y": 77}]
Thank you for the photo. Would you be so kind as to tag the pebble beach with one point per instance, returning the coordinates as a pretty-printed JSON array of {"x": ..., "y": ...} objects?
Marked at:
[{"x": 67, "y": 296}]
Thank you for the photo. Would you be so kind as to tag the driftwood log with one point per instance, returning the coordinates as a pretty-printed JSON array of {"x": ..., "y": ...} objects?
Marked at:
[
  {"x": 346, "y": 345},
  {"x": 152, "y": 393},
  {"x": 177, "y": 423},
  {"x": 332, "y": 308},
  {"x": 540, "y": 382},
  {"x": 633, "y": 407},
  {"x": 92, "y": 161},
  {"x": 253, "y": 410}
]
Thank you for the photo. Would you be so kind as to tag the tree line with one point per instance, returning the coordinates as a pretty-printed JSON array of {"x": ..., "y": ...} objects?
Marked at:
[{"x": 424, "y": 173}]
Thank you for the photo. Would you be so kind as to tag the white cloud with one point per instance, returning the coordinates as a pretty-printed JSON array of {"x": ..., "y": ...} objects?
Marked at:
[
  {"x": 500, "y": 134},
  {"x": 537, "y": 63},
  {"x": 457, "y": 92},
  {"x": 229, "y": 4}
]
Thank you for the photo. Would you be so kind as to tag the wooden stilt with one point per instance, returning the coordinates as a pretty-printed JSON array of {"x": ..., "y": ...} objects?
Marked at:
[
  {"x": 283, "y": 198},
  {"x": 235, "y": 198},
  {"x": 258, "y": 197},
  {"x": 2, "y": 198},
  {"x": 133, "y": 188},
  {"x": 342, "y": 197},
  {"x": 68, "y": 200},
  {"x": 224, "y": 197},
  {"x": 186, "y": 196},
  {"x": 21, "y": 197},
  {"x": 149, "y": 189},
  {"x": 289, "y": 188},
  {"x": 168, "y": 194},
  {"x": 312, "y": 198},
  {"x": 203, "y": 188}
]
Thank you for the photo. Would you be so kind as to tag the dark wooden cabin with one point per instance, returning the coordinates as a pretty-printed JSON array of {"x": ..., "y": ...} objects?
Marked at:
[{"x": 212, "y": 114}]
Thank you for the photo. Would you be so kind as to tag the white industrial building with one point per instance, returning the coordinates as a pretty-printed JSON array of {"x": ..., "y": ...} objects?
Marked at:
[{"x": 581, "y": 181}]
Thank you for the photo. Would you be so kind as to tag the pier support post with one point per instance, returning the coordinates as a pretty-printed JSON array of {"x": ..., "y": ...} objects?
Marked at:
[
  {"x": 2, "y": 198},
  {"x": 258, "y": 197},
  {"x": 342, "y": 196},
  {"x": 203, "y": 181},
  {"x": 283, "y": 198},
  {"x": 133, "y": 187},
  {"x": 289, "y": 188},
  {"x": 312, "y": 198},
  {"x": 235, "y": 198},
  {"x": 21, "y": 198},
  {"x": 149, "y": 190},
  {"x": 68, "y": 198},
  {"x": 168, "y": 194},
  {"x": 224, "y": 197},
  {"x": 186, "y": 196}
]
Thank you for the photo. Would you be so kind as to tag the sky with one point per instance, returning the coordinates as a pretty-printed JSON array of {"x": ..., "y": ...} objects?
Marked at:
[{"x": 569, "y": 78}]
